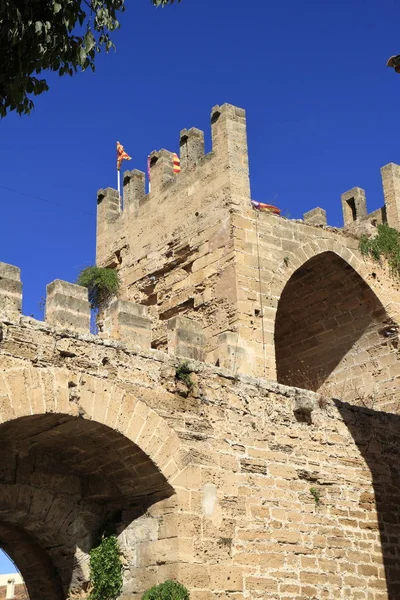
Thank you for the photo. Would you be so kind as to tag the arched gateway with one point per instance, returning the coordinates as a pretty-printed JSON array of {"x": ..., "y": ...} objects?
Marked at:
[
  {"x": 65, "y": 477},
  {"x": 333, "y": 333},
  {"x": 237, "y": 486}
]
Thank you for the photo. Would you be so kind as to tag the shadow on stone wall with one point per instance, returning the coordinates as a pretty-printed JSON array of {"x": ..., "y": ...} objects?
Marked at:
[
  {"x": 377, "y": 437},
  {"x": 63, "y": 481}
]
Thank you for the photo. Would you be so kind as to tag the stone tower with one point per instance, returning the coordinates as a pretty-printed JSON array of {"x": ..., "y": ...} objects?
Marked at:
[
  {"x": 230, "y": 421},
  {"x": 287, "y": 300}
]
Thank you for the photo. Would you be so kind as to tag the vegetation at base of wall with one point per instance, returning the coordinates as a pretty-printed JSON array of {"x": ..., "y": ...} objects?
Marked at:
[
  {"x": 316, "y": 494},
  {"x": 184, "y": 373},
  {"x": 102, "y": 285},
  {"x": 169, "y": 590},
  {"x": 386, "y": 244},
  {"x": 106, "y": 570}
]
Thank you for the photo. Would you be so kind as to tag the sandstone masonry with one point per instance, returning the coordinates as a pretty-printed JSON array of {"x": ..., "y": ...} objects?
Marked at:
[{"x": 238, "y": 484}]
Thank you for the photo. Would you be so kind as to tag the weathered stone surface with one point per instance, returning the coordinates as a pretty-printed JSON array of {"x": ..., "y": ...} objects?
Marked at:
[
  {"x": 10, "y": 289},
  {"x": 67, "y": 306},
  {"x": 186, "y": 338},
  {"x": 213, "y": 490},
  {"x": 128, "y": 322},
  {"x": 197, "y": 249},
  {"x": 234, "y": 484},
  {"x": 316, "y": 216}
]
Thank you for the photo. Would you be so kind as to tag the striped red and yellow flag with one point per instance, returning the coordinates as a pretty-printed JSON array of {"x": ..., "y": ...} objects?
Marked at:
[
  {"x": 177, "y": 163},
  {"x": 121, "y": 155}
]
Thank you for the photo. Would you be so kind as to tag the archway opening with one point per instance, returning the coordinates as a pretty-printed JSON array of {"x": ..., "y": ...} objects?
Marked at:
[
  {"x": 64, "y": 481},
  {"x": 333, "y": 334},
  {"x": 12, "y": 585}
]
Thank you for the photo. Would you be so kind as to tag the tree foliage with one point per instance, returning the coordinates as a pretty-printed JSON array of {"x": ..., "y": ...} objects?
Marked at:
[{"x": 51, "y": 35}]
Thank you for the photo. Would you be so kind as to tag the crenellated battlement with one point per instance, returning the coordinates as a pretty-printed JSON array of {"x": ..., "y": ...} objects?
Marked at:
[
  {"x": 195, "y": 248},
  {"x": 356, "y": 218},
  {"x": 222, "y": 168},
  {"x": 206, "y": 276},
  {"x": 68, "y": 309}
]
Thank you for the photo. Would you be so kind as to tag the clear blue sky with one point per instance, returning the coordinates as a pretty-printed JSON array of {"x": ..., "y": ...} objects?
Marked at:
[
  {"x": 322, "y": 112},
  {"x": 6, "y": 565}
]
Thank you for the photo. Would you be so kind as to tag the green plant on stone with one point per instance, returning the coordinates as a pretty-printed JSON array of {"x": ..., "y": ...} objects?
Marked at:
[
  {"x": 385, "y": 244},
  {"x": 106, "y": 570},
  {"x": 316, "y": 494},
  {"x": 102, "y": 285},
  {"x": 169, "y": 590},
  {"x": 184, "y": 373}
]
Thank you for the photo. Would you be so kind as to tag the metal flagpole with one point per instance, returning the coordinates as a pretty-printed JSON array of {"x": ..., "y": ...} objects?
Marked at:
[
  {"x": 119, "y": 188},
  {"x": 148, "y": 173}
]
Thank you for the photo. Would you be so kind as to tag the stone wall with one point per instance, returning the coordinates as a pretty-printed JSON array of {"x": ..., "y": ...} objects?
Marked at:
[
  {"x": 269, "y": 491},
  {"x": 195, "y": 247},
  {"x": 238, "y": 486},
  {"x": 314, "y": 312},
  {"x": 173, "y": 247}
]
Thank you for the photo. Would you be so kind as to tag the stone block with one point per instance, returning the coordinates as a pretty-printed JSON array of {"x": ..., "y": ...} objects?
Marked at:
[
  {"x": 191, "y": 147},
  {"x": 10, "y": 289},
  {"x": 108, "y": 204},
  {"x": 316, "y": 216},
  {"x": 354, "y": 205},
  {"x": 127, "y": 322},
  {"x": 67, "y": 306},
  {"x": 230, "y": 354},
  {"x": 391, "y": 190},
  {"x": 161, "y": 170},
  {"x": 186, "y": 338},
  {"x": 134, "y": 189}
]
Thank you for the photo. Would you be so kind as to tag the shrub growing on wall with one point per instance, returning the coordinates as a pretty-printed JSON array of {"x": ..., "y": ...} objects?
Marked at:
[
  {"x": 169, "y": 590},
  {"x": 102, "y": 285},
  {"x": 106, "y": 570},
  {"x": 385, "y": 244}
]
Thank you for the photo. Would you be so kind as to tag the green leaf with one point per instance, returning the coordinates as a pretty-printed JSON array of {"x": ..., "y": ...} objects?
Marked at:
[{"x": 45, "y": 35}]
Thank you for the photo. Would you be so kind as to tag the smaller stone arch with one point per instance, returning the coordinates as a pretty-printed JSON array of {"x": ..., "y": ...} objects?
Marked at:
[
  {"x": 332, "y": 333},
  {"x": 78, "y": 454}
]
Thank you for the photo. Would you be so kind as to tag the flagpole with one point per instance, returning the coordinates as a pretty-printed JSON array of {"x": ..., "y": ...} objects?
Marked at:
[
  {"x": 119, "y": 189},
  {"x": 148, "y": 172}
]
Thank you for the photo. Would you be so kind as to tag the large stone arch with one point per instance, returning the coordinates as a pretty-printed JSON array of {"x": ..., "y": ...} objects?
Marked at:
[
  {"x": 333, "y": 332},
  {"x": 77, "y": 455},
  {"x": 375, "y": 275}
]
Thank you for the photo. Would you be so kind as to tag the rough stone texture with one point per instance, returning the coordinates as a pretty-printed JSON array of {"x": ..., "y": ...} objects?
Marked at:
[
  {"x": 354, "y": 206},
  {"x": 196, "y": 248},
  {"x": 185, "y": 338},
  {"x": 391, "y": 189},
  {"x": 316, "y": 216},
  {"x": 10, "y": 289},
  {"x": 240, "y": 487},
  {"x": 67, "y": 306},
  {"x": 128, "y": 322},
  {"x": 211, "y": 486}
]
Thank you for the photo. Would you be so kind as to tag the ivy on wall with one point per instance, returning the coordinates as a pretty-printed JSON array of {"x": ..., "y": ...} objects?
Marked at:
[{"x": 386, "y": 244}]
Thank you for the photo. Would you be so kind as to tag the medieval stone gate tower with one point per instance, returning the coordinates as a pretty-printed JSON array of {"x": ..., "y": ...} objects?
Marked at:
[{"x": 210, "y": 482}]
